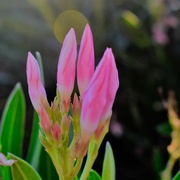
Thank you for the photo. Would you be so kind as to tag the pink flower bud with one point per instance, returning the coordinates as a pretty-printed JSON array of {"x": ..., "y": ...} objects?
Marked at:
[
  {"x": 97, "y": 100},
  {"x": 113, "y": 84},
  {"x": 35, "y": 86},
  {"x": 66, "y": 66},
  {"x": 56, "y": 131},
  {"x": 76, "y": 106},
  {"x": 45, "y": 122},
  {"x": 85, "y": 67},
  {"x": 94, "y": 99}
]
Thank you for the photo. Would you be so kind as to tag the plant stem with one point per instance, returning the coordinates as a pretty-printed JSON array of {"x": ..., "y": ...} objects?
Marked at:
[
  {"x": 89, "y": 162},
  {"x": 167, "y": 173},
  {"x": 55, "y": 159},
  {"x": 94, "y": 146}
]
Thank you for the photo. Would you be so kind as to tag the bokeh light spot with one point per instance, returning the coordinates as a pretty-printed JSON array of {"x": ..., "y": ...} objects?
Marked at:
[{"x": 67, "y": 20}]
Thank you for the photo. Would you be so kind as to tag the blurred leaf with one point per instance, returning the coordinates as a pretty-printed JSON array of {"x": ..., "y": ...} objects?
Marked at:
[
  {"x": 164, "y": 129},
  {"x": 1, "y": 172},
  {"x": 46, "y": 168},
  {"x": 39, "y": 59},
  {"x": 156, "y": 8},
  {"x": 177, "y": 176},
  {"x": 35, "y": 146},
  {"x": 12, "y": 123},
  {"x": 5, "y": 173},
  {"x": 93, "y": 175},
  {"x": 45, "y": 9},
  {"x": 108, "y": 171},
  {"x": 21, "y": 170},
  {"x": 134, "y": 29},
  {"x": 131, "y": 19},
  {"x": 157, "y": 162}
]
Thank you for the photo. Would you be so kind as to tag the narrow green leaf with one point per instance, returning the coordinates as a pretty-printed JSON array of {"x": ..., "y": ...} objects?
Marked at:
[
  {"x": 46, "y": 168},
  {"x": 164, "y": 129},
  {"x": 21, "y": 170},
  {"x": 12, "y": 122},
  {"x": 93, "y": 175},
  {"x": 157, "y": 162},
  {"x": 5, "y": 173},
  {"x": 1, "y": 172},
  {"x": 35, "y": 146},
  {"x": 177, "y": 176},
  {"x": 108, "y": 164},
  {"x": 134, "y": 29},
  {"x": 39, "y": 59}
]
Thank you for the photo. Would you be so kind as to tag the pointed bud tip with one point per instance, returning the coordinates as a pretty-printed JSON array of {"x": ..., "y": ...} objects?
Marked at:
[
  {"x": 29, "y": 53},
  {"x": 109, "y": 51},
  {"x": 31, "y": 61},
  {"x": 87, "y": 28},
  {"x": 30, "y": 57},
  {"x": 71, "y": 33},
  {"x": 57, "y": 131}
]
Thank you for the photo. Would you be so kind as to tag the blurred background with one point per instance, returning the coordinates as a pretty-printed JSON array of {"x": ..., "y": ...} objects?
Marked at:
[{"x": 145, "y": 38}]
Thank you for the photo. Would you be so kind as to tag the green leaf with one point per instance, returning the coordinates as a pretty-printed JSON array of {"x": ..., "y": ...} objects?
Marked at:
[
  {"x": 76, "y": 178},
  {"x": 12, "y": 122},
  {"x": 164, "y": 129},
  {"x": 5, "y": 173},
  {"x": 39, "y": 59},
  {"x": 34, "y": 151},
  {"x": 46, "y": 168},
  {"x": 93, "y": 175},
  {"x": 1, "y": 172},
  {"x": 157, "y": 161},
  {"x": 108, "y": 164},
  {"x": 177, "y": 176},
  {"x": 21, "y": 170},
  {"x": 134, "y": 29}
]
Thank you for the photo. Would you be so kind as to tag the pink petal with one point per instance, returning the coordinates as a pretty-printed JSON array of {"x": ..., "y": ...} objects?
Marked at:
[
  {"x": 4, "y": 161},
  {"x": 85, "y": 67},
  {"x": 66, "y": 66},
  {"x": 76, "y": 106},
  {"x": 113, "y": 83},
  {"x": 35, "y": 86},
  {"x": 94, "y": 99},
  {"x": 57, "y": 131},
  {"x": 45, "y": 122},
  {"x": 98, "y": 98}
]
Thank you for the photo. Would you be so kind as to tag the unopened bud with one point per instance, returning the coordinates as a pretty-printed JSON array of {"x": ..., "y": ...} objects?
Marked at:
[
  {"x": 45, "y": 122},
  {"x": 56, "y": 131}
]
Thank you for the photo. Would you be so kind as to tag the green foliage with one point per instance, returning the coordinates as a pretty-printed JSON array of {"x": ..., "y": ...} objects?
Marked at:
[
  {"x": 142, "y": 68},
  {"x": 35, "y": 147},
  {"x": 108, "y": 171},
  {"x": 13, "y": 120},
  {"x": 93, "y": 175},
  {"x": 134, "y": 29},
  {"x": 12, "y": 123},
  {"x": 12, "y": 131},
  {"x": 157, "y": 162},
  {"x": 21, "y": 170},
  {"x": 177, "y": 176},
  {"x": 5, "y": 173},
  {"x": 37, "y": 156},
  {"x": 164, "y": 129},
  {"x": 46, "y": 167}
]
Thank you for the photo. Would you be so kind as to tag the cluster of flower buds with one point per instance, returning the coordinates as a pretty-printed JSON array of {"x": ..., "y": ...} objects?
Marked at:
[{"x": 67, "y": 126}]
